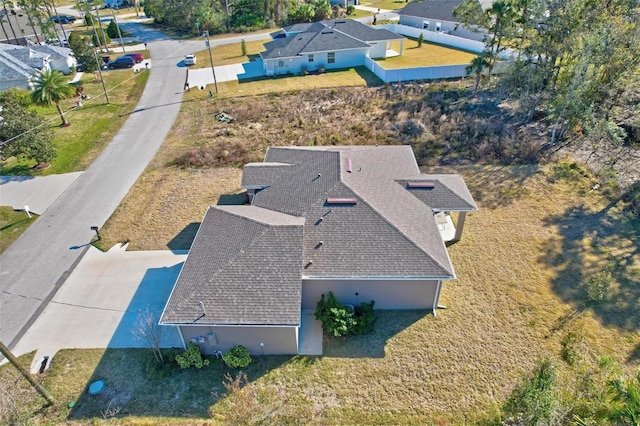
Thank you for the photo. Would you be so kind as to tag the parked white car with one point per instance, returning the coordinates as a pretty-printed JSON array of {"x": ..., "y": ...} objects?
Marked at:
[{"x": 190, "y": 60}]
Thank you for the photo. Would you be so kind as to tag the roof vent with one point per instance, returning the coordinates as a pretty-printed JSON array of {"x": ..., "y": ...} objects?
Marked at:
[
  {"x": 342, "y": 201},
  {"x": 319, "y": 244},
  {"x": 348, "y": 165},
  {"x": 423, "y": 185}
]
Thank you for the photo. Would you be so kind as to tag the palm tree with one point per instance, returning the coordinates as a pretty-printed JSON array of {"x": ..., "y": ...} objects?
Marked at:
[
  {"x": 625, "y": 409},
  {"x": 51, "y": 87},
  {"x": 477, "y": 65}
]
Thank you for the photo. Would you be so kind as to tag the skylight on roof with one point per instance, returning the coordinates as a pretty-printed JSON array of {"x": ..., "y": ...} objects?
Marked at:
[
  {"x": 342, "y": 201},
  {"x": 423, "y": 185},
  {"x": 348, "y": 165}
]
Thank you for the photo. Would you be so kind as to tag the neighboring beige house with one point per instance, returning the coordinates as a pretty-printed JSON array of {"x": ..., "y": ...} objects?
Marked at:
[
  {"x": 361, "y": 221},
  {"x": 342, "y": 43},
  {"x": 18, "y": 63},
  {"x": 436, "y": 15}
]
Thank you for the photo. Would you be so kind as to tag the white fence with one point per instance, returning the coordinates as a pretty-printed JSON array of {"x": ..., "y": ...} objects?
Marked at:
[
  {"x": 435, "y": 37},
  {"x": 430, "y": 73},
  {"x": 409, "y": 74}
]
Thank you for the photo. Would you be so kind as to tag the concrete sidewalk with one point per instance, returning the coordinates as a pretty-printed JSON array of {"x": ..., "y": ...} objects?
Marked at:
[
  {"x": 100, "y": 302},
  {"x": 36, "y": 192}
]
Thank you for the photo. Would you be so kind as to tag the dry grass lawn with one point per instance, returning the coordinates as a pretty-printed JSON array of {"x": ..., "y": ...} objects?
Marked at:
[
  {"x": 428, "y": 55},
  {"x": 521, "y": 265}
]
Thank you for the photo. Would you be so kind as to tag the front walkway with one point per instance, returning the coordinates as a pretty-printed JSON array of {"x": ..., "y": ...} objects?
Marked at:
[{"x": 310, "y": 335}]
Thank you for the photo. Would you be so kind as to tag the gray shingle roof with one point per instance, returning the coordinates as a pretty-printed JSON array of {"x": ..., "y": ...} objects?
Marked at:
[
  {"x": 247, "y": 262},
  {"x": 325, "y": 36},
  {"x": 388, "y": 233},
  {"x": 431, "y": 9},
  {"x": 261, "y": 174},
  {"x": 449, "y": 192},
  {"x": 244, "y": 266}
]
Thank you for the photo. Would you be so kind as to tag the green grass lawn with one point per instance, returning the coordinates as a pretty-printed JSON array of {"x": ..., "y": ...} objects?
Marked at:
[
  {"x": 92, "y": 127},
  {"x": 12, "y": 225},
  {"x": 385, "y": 4}
]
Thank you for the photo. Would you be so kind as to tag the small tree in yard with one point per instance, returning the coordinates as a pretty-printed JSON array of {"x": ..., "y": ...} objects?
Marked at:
[
  {"x": 237, "y": 357},
  {"x": 420, "y": 40},
  {"x": 27, "y": 134},
  {"x": 191, "y": 357},
  {"x": 147, "y": 330},
  {"x": 243, "y": 47},
  {"x": 51, "y": 87},
  {"x": 338, "y": 320}
]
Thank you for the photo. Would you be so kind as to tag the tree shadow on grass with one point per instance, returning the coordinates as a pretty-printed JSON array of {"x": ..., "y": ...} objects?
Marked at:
[
  {"x": 372, "y": 345},
  {"x": 588, "y": 244},
  {"x": 129, "y": 392}
]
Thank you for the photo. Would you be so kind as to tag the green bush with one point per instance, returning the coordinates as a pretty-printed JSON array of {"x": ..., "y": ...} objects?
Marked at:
[
  {"x": 101, "y": 37},
  {"x": 569, "y": 351},
  {"x": 237, "y": 357},
  {"x": 365, "y": 318},
  {"x": 191, "y": 357},
  {"x": 598, "y": 285},
  {"x": 338, "y": 320},
  {"x": 112, "y": 29},
  {"x": 161, "y": 370},
  {"x": 89, "y": 19}
]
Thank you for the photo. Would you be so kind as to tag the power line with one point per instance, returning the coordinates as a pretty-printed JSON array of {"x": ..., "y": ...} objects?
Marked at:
[
  {"x": 74, "y": 109},
  {"x": 75, "y": 305}
]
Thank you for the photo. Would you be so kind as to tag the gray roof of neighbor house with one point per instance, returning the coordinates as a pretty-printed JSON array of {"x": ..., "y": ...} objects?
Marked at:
[
  {"x": 244, "y": 266},
  {"x": 432, "y": 9},
  {"x": 12, "y": 70},
  {"x": 325, "y": 36}
]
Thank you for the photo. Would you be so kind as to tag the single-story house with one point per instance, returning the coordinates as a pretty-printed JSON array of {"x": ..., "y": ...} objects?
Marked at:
[
  {"x": 326, "y": 45},
  {"x": 360, "y": 221},
  {"x": 344, "y": 3},
  {"x": 18, "y": 63},
  {"x": 436, "y": 15}
]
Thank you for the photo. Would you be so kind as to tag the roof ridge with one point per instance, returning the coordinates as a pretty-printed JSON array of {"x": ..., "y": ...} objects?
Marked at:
[{"x": 404, "y": 235}]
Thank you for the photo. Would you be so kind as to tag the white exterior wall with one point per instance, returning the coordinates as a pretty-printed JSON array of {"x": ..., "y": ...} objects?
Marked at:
[
  {"x": 388, "y": 294},
  {"x": 343, "y": 59},
  {"x": 277, "y": 340},
  {"x": 378, "y": 50},
  {"x": 449, "y": 27}
]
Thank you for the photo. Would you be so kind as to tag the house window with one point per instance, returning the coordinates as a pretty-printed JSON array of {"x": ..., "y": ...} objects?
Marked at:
[
  {"x": 331, "y": 57},
  {"x": 280, "y": 64},
  {"x": 425, "y": 25},
  {"x": 438, "y": 26},
  {"x": 310, "y": 58}
]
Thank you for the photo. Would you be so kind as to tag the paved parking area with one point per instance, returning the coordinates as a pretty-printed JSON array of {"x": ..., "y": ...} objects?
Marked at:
[{"x": 100, "y": 302}]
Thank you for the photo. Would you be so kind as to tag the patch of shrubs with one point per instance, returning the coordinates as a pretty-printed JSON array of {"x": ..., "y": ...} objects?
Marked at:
[
  {"x": 340, "y": 320},
  {"x": 237, "y": 357},
  {"x": 632, "y": 198},
  {"x": 161, "y": 370},
  {"x": 191, "y": 357},
  {"x": 221, "y": 154}
]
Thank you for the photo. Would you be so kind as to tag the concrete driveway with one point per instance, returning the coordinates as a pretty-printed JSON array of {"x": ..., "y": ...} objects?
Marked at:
[
  {"x": 36, "y": 192},
  {"x": 101, "y": 301}
]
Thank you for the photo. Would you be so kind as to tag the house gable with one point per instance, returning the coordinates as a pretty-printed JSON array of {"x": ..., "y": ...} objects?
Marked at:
[{"x": 243, "y": 268}]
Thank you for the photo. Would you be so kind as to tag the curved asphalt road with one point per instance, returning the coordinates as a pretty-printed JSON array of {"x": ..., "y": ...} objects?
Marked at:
[{"x": 36, "y": 265}]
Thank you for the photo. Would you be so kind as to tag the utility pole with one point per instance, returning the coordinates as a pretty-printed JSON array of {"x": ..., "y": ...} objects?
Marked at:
[
  {"x": 118, "y": 28},
  {"x": 99, "y": 62},
  {"x": 104, "y": 35},
  {"x": 37, "y": 386},
  {"x": 206, "y": 33}
]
